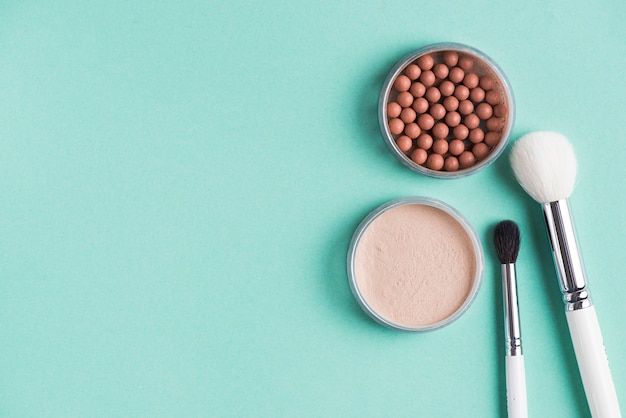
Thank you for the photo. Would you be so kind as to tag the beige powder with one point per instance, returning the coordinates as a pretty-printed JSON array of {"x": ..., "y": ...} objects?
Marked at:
[{"x": 415, "y": 265}]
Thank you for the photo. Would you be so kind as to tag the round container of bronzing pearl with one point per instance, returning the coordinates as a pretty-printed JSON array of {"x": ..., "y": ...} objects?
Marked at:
[{"x": 446, "y": 110}]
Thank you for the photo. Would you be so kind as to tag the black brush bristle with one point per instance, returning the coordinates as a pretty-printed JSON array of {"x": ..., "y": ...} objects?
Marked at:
[{"x": 507, "y": 240}]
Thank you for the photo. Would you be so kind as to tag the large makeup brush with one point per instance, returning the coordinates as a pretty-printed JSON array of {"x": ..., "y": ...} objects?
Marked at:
[
  {"x": 507, "y": 240},
  {"x": 545, "y": 166}
]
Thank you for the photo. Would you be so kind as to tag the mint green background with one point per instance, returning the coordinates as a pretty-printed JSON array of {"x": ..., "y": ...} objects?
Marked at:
[{"x": 180, "y": 180}]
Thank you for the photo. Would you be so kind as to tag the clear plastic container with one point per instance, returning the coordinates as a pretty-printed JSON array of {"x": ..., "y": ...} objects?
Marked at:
[
  {"x": 483, "y": 66},
  {"x": 355, "y": 282}
]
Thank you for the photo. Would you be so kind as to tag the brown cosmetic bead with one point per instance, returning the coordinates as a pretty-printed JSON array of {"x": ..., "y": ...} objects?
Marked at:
[
  {"x": 425, "y": 62},
  {"x": 476, "y": 135},
  {"x": 405, "y": 99},
  {"x": 500, "y": 110},
  {"x": 484, "y": 111},
  {"x": 461, "y": 92},
  {"x": 477, "y": 95},
  {"x": 425, "y": 121},
  {"x": 437, "y": 111},
  {"x": 450, "y": 58},
  {"x": 441, "y": 130},
  {"x": 402, "y": 83},
  {"x": 434, "y": 162},
  {"x": 433, "y": 94},
  {"x": 494, "y": 124},
  {"x": 404, "y": 143},
  {"x": 480, "y": 150},
  {"x": 428, "y": 78},
  {"x": 470, "y": 80},
  {"x": 466, "y": 62},
  {"x": 456, "y": 147},
  {"x": 396, "y": 126},
  {"x": 493, "y": 97},
  {"x": 451, "y": 164},
  {"x": 393, "y": 110},
  {"x": 441, "y": 71},
  {"x": 487, "y": 82},
  {"x": 417, "y": 89},
  {"x": 419, "y": 156},
  {"x": 413, "y": 71},
  {"x": 472, "y": 121},
  {"x": 460, "y": 132},
  {"x": 408, "y": 115},
  {"x": 450, "y": 103},
  {"x": 453, "y": 119},
  {"x": 425, "y": 141},
  {"x": 412, "y": 130},
  {"x": 456, "y": 75},
  {"x": 466, "y": 107},
  {"x": 467, "y": 159},
  {"x": 446, "y": 88},
  {"x": 420, "y": 105},
  {"x": 440, "y": 146},
  {"x": 492, "y": 138}
]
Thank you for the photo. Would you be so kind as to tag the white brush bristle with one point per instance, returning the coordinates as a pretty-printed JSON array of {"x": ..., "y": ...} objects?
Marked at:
[{"x": 545, "y": 165}]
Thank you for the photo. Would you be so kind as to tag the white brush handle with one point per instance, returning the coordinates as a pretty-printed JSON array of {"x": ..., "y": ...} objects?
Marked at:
[
  {"x": 516, "y": 387},
  {"x": 593, "y": 363}
]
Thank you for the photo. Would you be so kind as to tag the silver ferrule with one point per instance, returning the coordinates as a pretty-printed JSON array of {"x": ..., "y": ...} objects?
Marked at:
[
  {"x": 567, "y": 258},
  {"x": 512, "y": 328}
]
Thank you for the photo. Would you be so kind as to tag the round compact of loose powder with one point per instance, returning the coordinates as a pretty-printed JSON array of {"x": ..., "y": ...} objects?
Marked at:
[{"x": 415, "y": 264}]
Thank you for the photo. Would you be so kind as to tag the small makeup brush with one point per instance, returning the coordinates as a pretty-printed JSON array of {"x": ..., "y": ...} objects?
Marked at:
[
  {"x": 545, "y": 166},
  {"x": 507, "y": 240}
]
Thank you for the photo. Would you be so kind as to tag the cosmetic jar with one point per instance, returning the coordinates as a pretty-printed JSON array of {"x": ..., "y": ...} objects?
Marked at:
[
  {"x": 446, "y": 110},
  {"x": 415, "y": 264}
]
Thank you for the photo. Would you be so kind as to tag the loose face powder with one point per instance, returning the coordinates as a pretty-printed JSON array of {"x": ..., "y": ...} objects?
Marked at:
[{"x": 415, "y": 264}]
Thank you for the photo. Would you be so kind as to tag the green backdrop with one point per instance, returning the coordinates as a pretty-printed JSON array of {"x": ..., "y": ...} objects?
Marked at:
[{"x": 180, "y": 181}]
